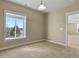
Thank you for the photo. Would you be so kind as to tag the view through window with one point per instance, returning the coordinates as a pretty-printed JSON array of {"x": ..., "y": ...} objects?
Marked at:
[{"x": 15, "y": 26}]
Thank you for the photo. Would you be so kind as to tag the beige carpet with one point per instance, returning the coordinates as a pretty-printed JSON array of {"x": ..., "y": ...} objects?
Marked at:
[{"x": 40, "y": 50}]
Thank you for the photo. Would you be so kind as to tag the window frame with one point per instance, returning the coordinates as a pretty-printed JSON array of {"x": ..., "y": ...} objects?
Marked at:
[
  {"x": 11, "y": 12},
  {"x": 77, "y": 27}
]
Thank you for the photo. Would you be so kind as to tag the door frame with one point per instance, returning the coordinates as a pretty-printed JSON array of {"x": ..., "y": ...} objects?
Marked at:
[{"x": 67, "y": 14}]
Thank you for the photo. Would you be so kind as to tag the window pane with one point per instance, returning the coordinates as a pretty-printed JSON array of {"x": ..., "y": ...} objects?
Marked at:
[
  {"x": 20, "y": 27},
  {"x": 15, "y": 26},
  {"x": 10, "y": 27}
]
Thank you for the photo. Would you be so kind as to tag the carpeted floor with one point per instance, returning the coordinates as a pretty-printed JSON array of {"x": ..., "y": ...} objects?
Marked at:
[{"x": 40, "y": 50}]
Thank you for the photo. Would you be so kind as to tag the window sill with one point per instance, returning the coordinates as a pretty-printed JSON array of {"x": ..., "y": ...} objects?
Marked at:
[{"x": 15, "y": 38}]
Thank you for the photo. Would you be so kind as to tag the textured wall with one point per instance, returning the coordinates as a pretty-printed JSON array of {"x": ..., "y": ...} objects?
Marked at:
[{"x": 35, "y": 23}]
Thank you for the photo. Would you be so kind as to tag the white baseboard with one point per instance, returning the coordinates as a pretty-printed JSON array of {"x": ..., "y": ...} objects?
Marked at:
[
  {"x": 56, "y": 42},
  {"x": 4, "y": 48}
]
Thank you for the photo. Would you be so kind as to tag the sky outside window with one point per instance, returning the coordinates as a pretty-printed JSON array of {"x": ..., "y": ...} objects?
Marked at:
[{"x": 10, "y": 22}]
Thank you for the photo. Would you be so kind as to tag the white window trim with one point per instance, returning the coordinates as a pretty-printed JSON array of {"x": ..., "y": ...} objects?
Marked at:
[
  {"x": 77, "y": 27},
  {"x": 17, "y": 14}
]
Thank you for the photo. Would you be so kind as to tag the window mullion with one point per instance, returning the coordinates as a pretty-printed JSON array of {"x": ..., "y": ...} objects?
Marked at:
[{"x": 15, "y": 28}]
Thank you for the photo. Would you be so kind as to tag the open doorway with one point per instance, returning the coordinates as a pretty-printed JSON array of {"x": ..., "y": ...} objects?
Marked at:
[{"x": 73, "y": 29}]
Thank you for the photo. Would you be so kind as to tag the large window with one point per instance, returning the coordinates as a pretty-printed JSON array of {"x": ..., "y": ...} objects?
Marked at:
[{"x": 15, "y": 26}]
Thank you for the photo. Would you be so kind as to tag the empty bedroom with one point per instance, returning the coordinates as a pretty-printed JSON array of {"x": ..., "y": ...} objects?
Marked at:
[{"x": 39, "y": 28}]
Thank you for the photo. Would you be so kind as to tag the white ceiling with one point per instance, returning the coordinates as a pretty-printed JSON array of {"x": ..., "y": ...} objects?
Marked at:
[{"x": 51, "y": 4}]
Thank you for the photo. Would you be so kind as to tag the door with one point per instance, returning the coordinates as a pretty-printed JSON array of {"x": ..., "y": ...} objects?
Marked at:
[{"x": 73, "y": 29}]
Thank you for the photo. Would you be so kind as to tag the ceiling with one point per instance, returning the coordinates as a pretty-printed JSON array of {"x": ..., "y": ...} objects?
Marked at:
[{"x": 50, "y": 4}]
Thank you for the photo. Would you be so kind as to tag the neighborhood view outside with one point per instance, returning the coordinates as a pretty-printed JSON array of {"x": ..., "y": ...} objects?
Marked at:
[{"x": 14, "y": 27}]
